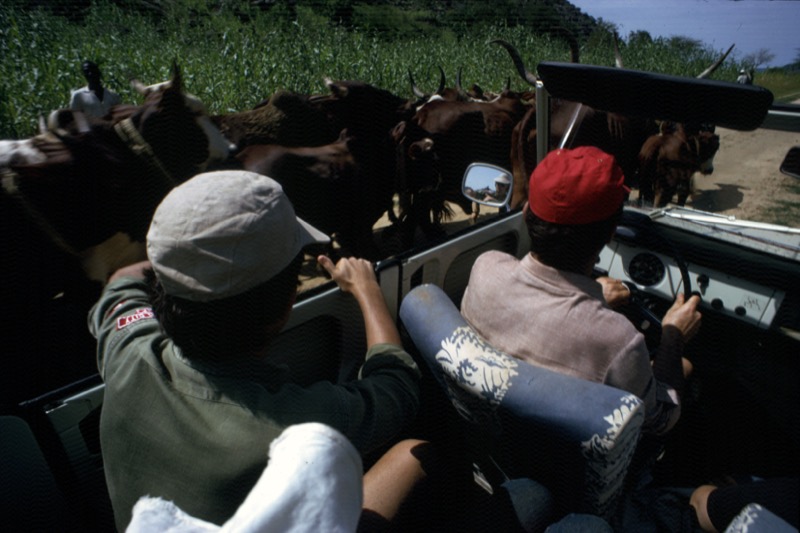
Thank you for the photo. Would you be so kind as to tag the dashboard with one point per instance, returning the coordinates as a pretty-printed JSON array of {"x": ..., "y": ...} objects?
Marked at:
[{"x": 659, "y": 275}]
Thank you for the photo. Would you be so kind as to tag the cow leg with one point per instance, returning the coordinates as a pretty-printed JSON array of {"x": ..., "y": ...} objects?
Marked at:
[
  {"x": 645, "y": 191},
  {"x": 657, "y": 198},
  {"x": 684, "y": 188}
]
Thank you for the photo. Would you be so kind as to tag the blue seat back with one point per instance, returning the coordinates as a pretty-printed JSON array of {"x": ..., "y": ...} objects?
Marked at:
[
  {"x": 754, "y": 518},
  {"x": 574, "y": 436}
]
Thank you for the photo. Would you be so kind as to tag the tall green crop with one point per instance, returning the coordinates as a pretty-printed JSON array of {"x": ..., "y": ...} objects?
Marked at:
[{"x": 232, "y": 60}]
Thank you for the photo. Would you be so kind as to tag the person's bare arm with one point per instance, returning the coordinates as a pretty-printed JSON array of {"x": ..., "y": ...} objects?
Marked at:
[
  {"x": 699, "y": 502},
  {"x": 679, "y": 326},
  {"x": 357, "y": 276},
  {"x": 136, "y": 270}
]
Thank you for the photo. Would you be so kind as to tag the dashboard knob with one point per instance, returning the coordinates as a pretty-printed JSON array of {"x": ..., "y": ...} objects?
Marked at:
[
  {"x": 702, "y": 282},
  {"x": 741, "y": 311},
  {"x": 717, "y": 304}
]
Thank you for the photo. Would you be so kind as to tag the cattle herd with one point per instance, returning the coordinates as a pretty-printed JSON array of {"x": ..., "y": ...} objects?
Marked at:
[{"x": 77, "y": 198}]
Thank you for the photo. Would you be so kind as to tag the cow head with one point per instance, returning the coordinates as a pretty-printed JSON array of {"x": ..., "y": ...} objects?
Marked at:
[
  {"x": 703, "y": 143},
  {"x": 365, "y": 110},
  {"x": 86, "y": 181},
  {"x": 189, "y": 126}
]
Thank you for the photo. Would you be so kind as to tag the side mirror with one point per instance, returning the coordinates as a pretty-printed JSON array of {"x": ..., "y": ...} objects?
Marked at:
[
  {"x": 791, "y": 163},
  {"x": 487, "y": 184}
]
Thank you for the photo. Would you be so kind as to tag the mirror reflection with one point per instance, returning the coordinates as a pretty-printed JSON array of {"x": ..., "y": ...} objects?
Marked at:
[{"x": 487, "y": 184}]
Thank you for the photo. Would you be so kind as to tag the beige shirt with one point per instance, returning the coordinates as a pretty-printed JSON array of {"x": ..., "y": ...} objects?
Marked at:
[{"x": 560, "y": 321}]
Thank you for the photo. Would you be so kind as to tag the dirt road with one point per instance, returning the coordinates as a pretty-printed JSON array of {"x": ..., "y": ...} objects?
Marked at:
[{"x": 747, "y": 181}]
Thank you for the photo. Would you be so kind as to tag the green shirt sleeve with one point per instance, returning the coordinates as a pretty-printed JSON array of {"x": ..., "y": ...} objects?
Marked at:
[{"x": 121, "y": 311}]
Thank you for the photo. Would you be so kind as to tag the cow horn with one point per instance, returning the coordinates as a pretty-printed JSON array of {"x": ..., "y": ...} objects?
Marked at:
[
  {"x": 526, "y": 75},
  {"x": 441, "y": 81},
  {"x": 416, "y": 90},
  {"x": 574, "y": 49},
  {"x": 138, "y": 86},
  {"x": 617, "y": 54},
  {"x": 707, "y": 72},
  {"x": 177, "y": 80}
]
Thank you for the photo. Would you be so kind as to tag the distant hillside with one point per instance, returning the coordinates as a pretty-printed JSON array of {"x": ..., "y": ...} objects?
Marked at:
[{"x": 539, "y": 15}]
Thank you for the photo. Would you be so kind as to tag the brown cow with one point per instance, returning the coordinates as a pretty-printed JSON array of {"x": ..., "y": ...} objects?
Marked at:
[
  {"x": 286, "y": 118},
  {"x": 668, "y": 161},
  {"x": 456, "y": 133},
  {"x": 367, "y": 184},
  {"x": 327, "y": 188}
]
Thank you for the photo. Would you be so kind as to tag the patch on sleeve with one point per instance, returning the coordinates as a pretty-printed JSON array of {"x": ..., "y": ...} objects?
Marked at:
[{"x": 139, "y": 314}]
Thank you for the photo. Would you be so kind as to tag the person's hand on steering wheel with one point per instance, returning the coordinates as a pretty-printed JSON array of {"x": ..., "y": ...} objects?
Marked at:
[
  {"x": 615, "y": 292},
  {"x": 684, "y": 316}
]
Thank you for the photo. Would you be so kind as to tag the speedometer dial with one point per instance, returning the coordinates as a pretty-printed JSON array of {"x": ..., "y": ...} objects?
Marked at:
[{"x": 646, "y": 269}]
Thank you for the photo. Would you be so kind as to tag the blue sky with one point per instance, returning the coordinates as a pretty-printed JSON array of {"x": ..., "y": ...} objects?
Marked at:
[{"x": 751, "y": 24}]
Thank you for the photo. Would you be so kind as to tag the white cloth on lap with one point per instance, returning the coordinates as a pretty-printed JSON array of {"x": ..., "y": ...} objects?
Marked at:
[{"x": 313, "y": 482}]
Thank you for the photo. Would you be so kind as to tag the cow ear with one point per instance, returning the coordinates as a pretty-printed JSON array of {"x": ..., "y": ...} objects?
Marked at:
[
  {"x": 419, "y": 148},
  {"x": 398, "y": 131},
  {"x": 337, "y": 89}
]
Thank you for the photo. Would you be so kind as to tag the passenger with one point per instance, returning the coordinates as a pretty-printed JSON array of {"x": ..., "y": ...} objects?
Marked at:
[
  {"x": 191, "y": 398},
  {"x": 94, "y": 100},
  {"x": 547, "y": 310}
]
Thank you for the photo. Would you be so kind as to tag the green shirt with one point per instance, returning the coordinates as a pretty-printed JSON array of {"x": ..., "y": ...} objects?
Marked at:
[{"x": 199, "y": 436}]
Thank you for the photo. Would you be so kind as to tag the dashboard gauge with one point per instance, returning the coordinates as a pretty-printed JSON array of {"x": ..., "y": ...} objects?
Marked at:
[{"x": 646, "y": 269}]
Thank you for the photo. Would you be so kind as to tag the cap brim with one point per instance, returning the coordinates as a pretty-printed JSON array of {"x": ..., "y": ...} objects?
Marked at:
[{"x": 312, "y": 235}]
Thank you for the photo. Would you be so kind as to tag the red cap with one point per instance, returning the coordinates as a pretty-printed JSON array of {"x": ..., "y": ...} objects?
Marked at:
[{"x": 577, "y": 186}]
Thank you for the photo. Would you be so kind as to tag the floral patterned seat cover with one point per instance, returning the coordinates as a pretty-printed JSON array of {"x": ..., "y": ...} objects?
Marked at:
[{"x": 574, "y": 436}]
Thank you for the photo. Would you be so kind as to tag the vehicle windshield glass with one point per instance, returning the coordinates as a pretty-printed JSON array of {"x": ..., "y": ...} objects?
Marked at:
[
  {"x": 750, "y": 178},
  {"x": 745, "y": 183}
]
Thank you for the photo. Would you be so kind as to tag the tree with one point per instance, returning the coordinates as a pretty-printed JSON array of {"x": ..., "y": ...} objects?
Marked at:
[
  {"x": 640, "y": 38},
  {"x": 758, "y": 58}
]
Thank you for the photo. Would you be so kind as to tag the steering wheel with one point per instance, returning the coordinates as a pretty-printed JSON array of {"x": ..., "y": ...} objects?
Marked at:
[{"x": 639, "y": 229}]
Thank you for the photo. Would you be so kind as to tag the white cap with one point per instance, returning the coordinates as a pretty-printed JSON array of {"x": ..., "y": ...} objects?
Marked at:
[
  {"x": 502, "y": 178},
  {"x": 222, "y": 233}
]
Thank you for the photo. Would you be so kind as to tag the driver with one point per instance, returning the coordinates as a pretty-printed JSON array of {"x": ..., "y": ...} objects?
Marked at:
[{"x": 547, "y": 310}]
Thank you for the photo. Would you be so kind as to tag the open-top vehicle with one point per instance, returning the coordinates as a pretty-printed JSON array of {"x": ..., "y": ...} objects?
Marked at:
[{"x": 742, "y": 413}]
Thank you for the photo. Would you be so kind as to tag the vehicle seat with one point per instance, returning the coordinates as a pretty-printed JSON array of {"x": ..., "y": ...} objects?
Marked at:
[{"x": 575, "y": 437}]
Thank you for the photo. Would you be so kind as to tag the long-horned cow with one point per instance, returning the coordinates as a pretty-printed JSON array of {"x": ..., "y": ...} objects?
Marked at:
[
  {"x": 439, "y": 142},
  {"x": 614, "y": 133},
  {"x": 575, "y": 124},
  {"x": 367, "y": 113},
  {"x": 669, "y": 159}
]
